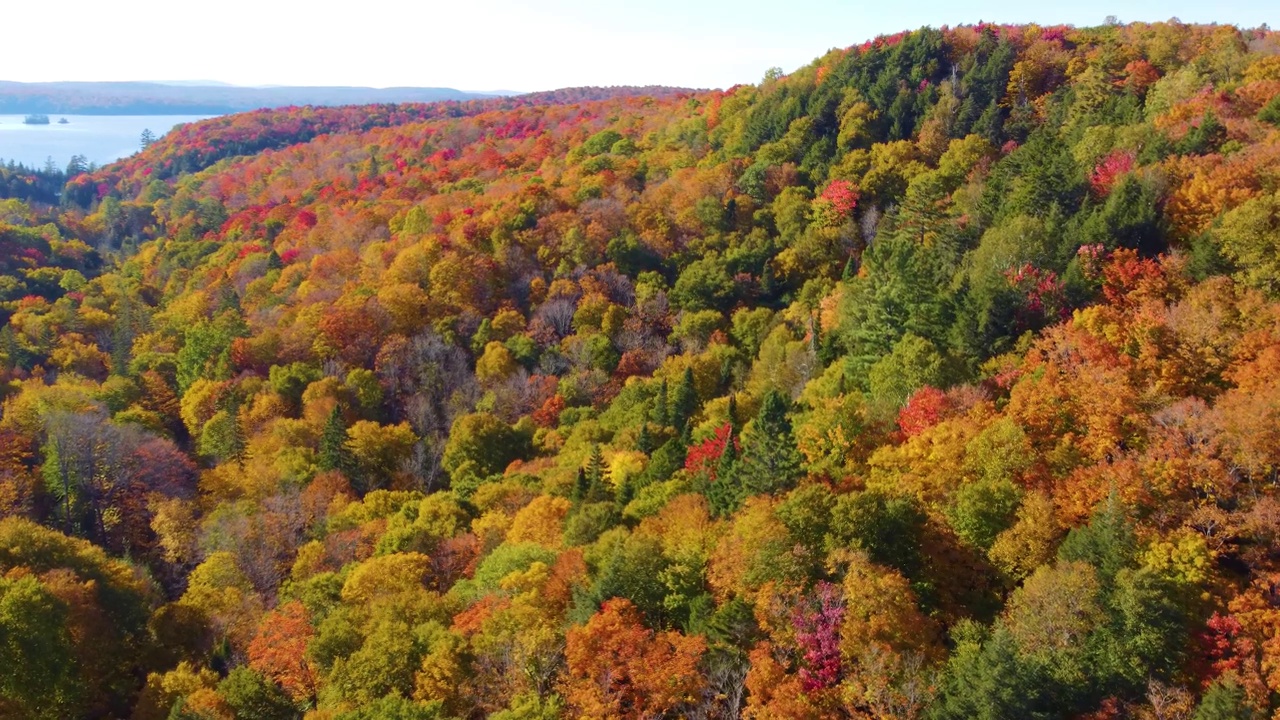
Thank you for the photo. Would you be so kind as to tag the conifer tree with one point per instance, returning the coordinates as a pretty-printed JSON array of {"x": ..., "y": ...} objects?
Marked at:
[
  {"x": 660, "y": 406},
  {"x": 596, "y": 476},
  {"x": 644, "y": 440},
  {"x": 770, "y": 461},
  {"x": 725, "y": 494},
  {"x": 684, "y": 401},
  {"x": 333, "y": 444}
]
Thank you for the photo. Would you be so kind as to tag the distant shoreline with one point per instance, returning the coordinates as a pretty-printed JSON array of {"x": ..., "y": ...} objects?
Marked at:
[{"x": 132, "y": 98}]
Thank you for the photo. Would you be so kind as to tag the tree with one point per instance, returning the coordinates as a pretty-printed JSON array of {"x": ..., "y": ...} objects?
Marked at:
[
  {"x": 481, "y": 445},
  {"x": 334, "y": 454},
  {"x": 1225, "y": 700},
  {"x": 594, "y": 479},
  {"x": 770, "y": 462},
  {"x": 618, "y": 669},
  {"x": 253, "y": 697},
  {"x": 684, "y": 401},
  {"x": 147, "y": 138},
  {"x": 279, "y": 653},
  {"x": 913, "y": 363},
  {"x": 379, "y": 451},
  {"x": 37, "y": 679}
]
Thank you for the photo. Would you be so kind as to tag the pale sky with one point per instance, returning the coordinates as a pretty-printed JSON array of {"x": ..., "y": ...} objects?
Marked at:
[{"x": 500, "y": 44}]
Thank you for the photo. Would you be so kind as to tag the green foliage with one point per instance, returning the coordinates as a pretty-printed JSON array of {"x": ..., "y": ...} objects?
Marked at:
[
  {"x": 1270, "y": 113},
  {"x": 888, "y": 528},
  {"x": 1107, "y": 543},
  {"x": 1224, "y": 700},
  {"x": 984, "y": 509},
  {"x": 253, "y": 697},
  {"x": 37, "y": 678},
  {"x": 770, "y": 462},
  {"x": 481, "y": 445},
  {"x": 913, "y": 363},
  {"x": 395, "y": 708}
]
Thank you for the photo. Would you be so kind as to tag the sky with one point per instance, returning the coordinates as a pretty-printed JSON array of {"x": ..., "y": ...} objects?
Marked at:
[{"x": 484, "y": 45}]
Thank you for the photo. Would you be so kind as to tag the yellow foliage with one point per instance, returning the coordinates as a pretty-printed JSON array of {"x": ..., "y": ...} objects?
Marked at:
[
  {"x": 386, "y": 575},
  {"x": 1184, "y": 557},
  {"x": 497, "y": 363},
  {"x": 162, "y": 690},
  {"x": 541, "y": 522}
]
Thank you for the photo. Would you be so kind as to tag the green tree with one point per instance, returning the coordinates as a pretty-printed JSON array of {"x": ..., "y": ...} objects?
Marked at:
[
  {"x": 334, "y": 454},
  {"x": 684, "y": 401},
  {"x": 1225, "y": 700},
  {"x": 253, "y": 697},
  {"x": 770, "y": 462},
  {"x": 913, "y": 363},
  {"x": 37, "y": 678}
]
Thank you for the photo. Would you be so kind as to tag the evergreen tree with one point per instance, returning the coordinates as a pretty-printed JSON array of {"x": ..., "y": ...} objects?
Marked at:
[
  {"x": 666, "y": 460},
  {"x": 10, "y": 352},
  {"x": 596, "y": 476},
  {"x": 1224, "y": 700},
  {"x": 122, "y": 336},
  {"x": 660, "y": 415},
  {"x": 333, "y": 444},
  {"x": 684, "y": 402},
  {"x": 644, "y": 440},
  {"x": 725, "y": 494},
  {"x": 770, "y": 461}
]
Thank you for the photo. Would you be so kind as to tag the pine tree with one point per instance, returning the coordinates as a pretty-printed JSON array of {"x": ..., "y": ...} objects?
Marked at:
[
  {"x": 850, "y": 270},
  {"x": 238, "y": 444},
  {"x": 333, "y": 444},
  {"x": 684, "y": 401},
  {"x": 122, "y": 336},
  {"x": 9, "y": 350},
  {"x": 770, "y": 461},
  {"x": 660, "y": 406},
  {"x": 644, "y": 441},
  {"x": 597, "y": 476},
  {"x": 725, "y": 494}
]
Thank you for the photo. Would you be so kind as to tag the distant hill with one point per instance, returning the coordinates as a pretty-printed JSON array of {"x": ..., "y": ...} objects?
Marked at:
[{"x": 169, "y": 98}]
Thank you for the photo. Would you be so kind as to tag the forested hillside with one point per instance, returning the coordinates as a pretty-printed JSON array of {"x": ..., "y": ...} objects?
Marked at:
[{"x": 938, "y": 379}]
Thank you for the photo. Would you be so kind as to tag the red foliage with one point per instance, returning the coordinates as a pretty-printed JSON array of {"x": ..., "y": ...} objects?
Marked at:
[
  {"x": 1127, "y": 274},
  {"x": 704, "y": 456},
  {"x": 1139, "y": 75},
  {"x": 926, "y": 408},
  {"x": 817, "y": 626},
  {"x": 1108, "y": 170},
  {"x": 1043, "y": 294},
  {"x": 842, "y": 196},
  {"x": 548, "y": 415},
  {"x": 279, "y": 650}
]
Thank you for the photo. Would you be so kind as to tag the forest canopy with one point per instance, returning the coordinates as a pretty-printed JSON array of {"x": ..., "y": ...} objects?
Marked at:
[{"x": 938, "y": 378}]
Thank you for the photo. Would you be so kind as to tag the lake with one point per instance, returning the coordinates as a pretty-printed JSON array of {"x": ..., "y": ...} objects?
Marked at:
[{"x": 100, "y": 138}]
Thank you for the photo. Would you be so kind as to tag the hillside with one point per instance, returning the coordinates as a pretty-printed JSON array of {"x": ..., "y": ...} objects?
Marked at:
[{"x": 939, "y": 378}]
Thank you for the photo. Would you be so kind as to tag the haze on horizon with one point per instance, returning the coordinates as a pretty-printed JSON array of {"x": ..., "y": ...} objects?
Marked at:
[{"x": 491, "y": 45}]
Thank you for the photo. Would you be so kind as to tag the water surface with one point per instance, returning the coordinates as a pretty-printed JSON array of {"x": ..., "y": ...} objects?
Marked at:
[{"x": 100, "y": 138}]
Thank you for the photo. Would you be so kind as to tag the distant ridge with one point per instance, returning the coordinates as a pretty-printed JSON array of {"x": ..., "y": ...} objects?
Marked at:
[{"x": 176, "y": 98}]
